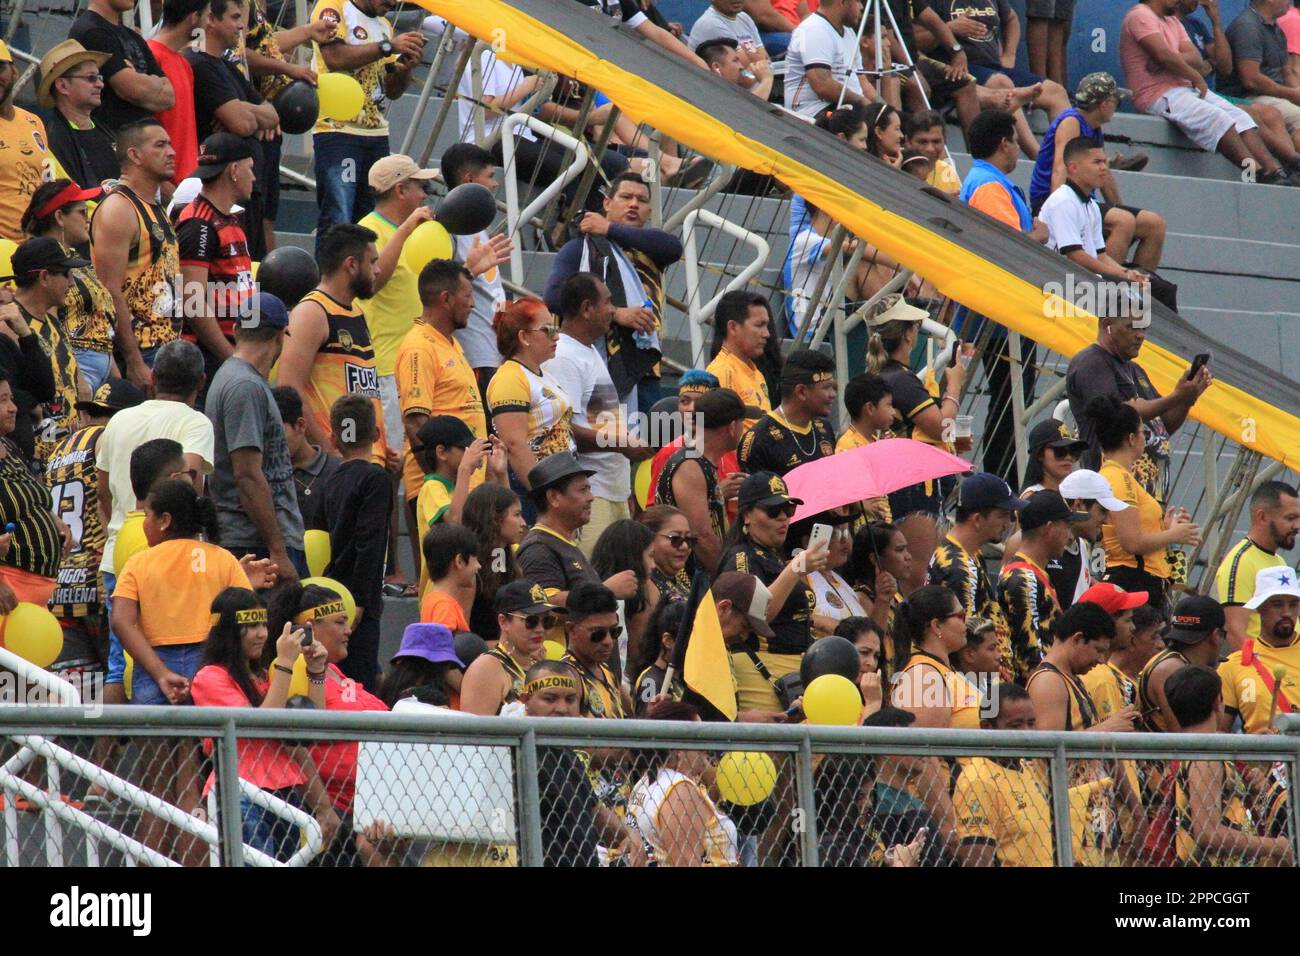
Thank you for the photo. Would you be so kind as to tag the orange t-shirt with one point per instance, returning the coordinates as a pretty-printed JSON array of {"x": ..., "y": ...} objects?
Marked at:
[
  {"x": 439, "y": 607},
  {"x": 174, "y": 583}
]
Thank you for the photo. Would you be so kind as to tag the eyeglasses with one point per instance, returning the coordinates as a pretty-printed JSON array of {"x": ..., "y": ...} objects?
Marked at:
[
  {"x": 533, "y": 621},
  {"x": 776, "y": 511},
  {"x": 550, "y": 331},
  {"x": 191, "y": 473},
  {"x": 957, "y": 614},
  {"x": 600, "y": 633},
  {"x": 678, "y": 540},
  {"x": 88, "y": 77}
]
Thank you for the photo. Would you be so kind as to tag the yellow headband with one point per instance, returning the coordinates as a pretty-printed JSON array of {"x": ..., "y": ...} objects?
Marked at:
[
  {"x": 548, "y": 682},
  {"x": 320, "y": 611},
  {"x": 252, "y": 615}
]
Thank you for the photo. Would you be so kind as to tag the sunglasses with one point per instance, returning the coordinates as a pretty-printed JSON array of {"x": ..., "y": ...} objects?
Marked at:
[
  {"x": 550, "y": 331},
  {"x": 776, "y": 511},
  {"x": 958, "y": 614},
  {"x": 681, "y": 540},
  {"x": 534, "y": 621},
  {"x": 190, "y": 473},
  {"x": 600, "y": 633}
]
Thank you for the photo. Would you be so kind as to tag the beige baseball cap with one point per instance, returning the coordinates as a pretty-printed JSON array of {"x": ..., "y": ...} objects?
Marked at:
[{"x": 391, "y": 170}]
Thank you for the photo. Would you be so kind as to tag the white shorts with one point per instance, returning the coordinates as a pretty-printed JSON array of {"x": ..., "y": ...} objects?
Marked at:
[
  {"x": 396, "y": 434},
  {"x": 1205, "y": 121},
  {"x": 1290, "y": 112}
]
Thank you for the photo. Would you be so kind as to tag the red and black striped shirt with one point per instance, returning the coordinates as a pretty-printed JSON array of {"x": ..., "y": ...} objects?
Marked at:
[{"x": 213, "y": 239}]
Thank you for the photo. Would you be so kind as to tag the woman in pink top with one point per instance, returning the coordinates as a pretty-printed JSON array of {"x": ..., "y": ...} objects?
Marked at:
[
  {"x": 233, "y": 675},
  {"x": 335, "y": 760}
]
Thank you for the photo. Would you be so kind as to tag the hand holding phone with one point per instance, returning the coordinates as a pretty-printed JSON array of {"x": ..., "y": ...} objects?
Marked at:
[{"x": 307, "y": 637}]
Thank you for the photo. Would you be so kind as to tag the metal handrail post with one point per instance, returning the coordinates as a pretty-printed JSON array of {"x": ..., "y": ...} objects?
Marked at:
[
  {"x": 448, "y": 101},
  {"x": 655, "y": 181},
  {"x": 1060, "y": 782},
  {"x": 15, "y": 18},
  {"x": 476, "y": 90},
  {"x": 698, "y": 314},
  {"x": 232, "y": 828},
  {"x": 721, "y": 176},
  {"x": 445, "y": 44},
  {"x": 529, "y": 105},
  {"x": 1014, "y": 354},
  {"x": 530, "y": 815},
  {"x": 1055, "y": 390},
  {"x": 834, "y": 241},
  {"x": 515, "y": 217},
  {"x": 835, "y": 305},
  {"x": 807, "y": 802}
]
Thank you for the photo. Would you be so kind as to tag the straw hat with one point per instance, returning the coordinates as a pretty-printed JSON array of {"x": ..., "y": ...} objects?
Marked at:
[{"x": 62, "y": 58}]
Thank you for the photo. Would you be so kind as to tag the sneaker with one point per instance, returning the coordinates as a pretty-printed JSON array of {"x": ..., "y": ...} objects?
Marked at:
[
  {"x": 1275, "y": 178},
  {"x": 1132, "y": 163},
  {"x": 691, "y": 176}
]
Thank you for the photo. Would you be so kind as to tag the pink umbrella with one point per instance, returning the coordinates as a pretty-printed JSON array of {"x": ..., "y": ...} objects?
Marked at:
[{"x": 871, "y": 471}]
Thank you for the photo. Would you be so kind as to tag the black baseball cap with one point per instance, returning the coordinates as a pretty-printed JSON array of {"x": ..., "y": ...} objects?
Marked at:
[
  {"x": 267, "y": 310},
  {"x": 1195, "y": 616},
  {"x": 1045, "y": 506},
  {"x": 1054, "y": 434},
  {"x": 45, "y": 252},
  {"x": 220, "y": 150},
  {"x": 446, "y": 430},
  {"x": 113, "y": 396},
  {"x": 523, "y": 597},
  {"x": 983, "y": 490},
  {"x": 765, "y": 488}
]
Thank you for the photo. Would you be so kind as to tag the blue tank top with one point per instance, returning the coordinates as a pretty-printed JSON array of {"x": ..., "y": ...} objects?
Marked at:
[{"x": 1040, "y": 184}]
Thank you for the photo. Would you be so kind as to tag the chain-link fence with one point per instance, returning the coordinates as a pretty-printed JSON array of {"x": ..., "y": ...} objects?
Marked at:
[{"x": 201, "y": 786}]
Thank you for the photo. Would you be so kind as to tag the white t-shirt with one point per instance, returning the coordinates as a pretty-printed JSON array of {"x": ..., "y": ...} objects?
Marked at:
[
  {"x": 713, "y": 25},
  {"x": 499, "y": 78},
  {"x": 803, "y": 267},
  {"x": 815, "y": 42},
  {"x": 835, "y": 596},
  {"x": 128, "y": 430},
  {"x": 581, "y": 371},
  {"x": 1072, "y": 222},
  {"x": 647, "y": 799},
  {"x": 477, "y": 339}
]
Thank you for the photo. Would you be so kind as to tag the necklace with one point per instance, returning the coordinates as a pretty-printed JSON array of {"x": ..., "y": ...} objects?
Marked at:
[{"x": 812, "y": 433}]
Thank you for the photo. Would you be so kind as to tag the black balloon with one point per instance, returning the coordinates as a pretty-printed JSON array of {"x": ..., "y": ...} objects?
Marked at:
[
  {"x": 298, "y": 106},
  {"x": 467, "y": 209},
  {"x": 469, "y": 646},
  {"x": 830, "y": 655},
  {"x": 289, "y": 272}
]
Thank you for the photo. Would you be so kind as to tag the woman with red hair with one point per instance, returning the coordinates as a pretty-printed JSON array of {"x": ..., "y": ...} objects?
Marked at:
[{"x": 530, "y": 411}]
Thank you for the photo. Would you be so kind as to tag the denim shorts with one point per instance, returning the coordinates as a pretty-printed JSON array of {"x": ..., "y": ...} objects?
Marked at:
[
  {"x": 94, "y": 366},
  {"x": 183, "y": 659},
  {"x": 116, "y": 656}
]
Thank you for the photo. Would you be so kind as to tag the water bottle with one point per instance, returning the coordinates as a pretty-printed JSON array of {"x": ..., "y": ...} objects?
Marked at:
[{"x": 645, "y": 340}]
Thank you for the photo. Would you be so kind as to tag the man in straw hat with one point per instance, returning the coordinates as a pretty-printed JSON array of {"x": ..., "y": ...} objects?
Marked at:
[{"x": 72, "y": 85}]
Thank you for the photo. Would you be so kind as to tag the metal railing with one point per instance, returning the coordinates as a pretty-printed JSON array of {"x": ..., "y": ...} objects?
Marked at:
[{"x": 801, "y": 752}]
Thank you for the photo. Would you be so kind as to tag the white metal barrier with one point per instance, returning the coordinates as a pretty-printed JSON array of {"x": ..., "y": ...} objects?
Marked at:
[
  {"x": 700, "y": 314},
  {"x": 514, "y": 217}
]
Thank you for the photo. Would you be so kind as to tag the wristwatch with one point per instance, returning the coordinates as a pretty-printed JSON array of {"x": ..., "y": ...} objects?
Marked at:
[
  {"x": 386, "y": 47},
  {"x": 956, "y": 47}
]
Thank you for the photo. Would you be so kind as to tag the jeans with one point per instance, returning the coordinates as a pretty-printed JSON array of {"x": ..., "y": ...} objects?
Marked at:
[
  {"x": 94, "y": 366},
  {"x": 343, "y": 162},
  {"x": 183, "y": 659},
  {"x": 116, "y": 656},
  {"x": 297, "y": 558},
  {"x": 268, "y": 832}
]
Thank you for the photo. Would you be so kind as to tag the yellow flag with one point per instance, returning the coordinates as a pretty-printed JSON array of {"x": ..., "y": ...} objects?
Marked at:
[{"x": 707, "y": 668}]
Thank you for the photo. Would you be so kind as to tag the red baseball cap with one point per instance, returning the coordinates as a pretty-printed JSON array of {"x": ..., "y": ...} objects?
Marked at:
[{"x": 1113, "y": 598}]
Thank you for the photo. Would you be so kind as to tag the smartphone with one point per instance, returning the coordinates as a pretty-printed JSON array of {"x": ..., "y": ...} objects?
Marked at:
[
  {"x": 1198, "y": 363},
  {"x": 821, "y": 534},
  {"x": 306, "y": 634}
]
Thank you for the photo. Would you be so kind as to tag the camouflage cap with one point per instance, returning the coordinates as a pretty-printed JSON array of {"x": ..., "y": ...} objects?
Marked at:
[{"x": 1097, "y": 88}]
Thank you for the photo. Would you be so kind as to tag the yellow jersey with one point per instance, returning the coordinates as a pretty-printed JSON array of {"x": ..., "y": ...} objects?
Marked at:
[
  {"x": 743, "y": 377},
  {"x": 60, "y": 419},
  {"x": 1110, "y": 689},
  {"x": 852, "y": 438},
  {"x": 90, "y": 314},
  {"x": 434, "y": 378},
  {"x": 344, "y": 365},
  {"x": 70, "y": 474},
  {"x": 433, "y": 501},
  {"x": 950, "y": 689},
  {"x": 25, "y": 163},
  {"x": 353, "y": 27},
  {"x": 1247, "y": 675},
  {"x": 1152, "y": 516},
  {"x": 394, "y": 308},
  {"x": 517, "y": 388},
  {"x": 1234, "y": 582},
  {"x": 1004, "y": 804}
]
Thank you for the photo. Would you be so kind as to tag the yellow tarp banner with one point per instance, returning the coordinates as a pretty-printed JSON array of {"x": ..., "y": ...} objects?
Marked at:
[{"x": 960, "y": 273}]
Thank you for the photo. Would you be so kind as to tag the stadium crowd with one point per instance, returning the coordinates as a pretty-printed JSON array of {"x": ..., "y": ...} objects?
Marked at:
[{"x": 171, "y": 461}]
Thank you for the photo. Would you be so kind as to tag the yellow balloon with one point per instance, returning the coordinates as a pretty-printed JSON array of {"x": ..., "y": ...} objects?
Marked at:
[
  {"x": 746, "y": 778},
  {"x": 128, "y": 675},
  {"x": 429, "y": 241},
  {"x": 7, "y": 247},
  {"x": 130, "y": 539},
  {"x": 317, "y": 545},
  {"x": 554, "y": 650},
  {"x": 341, "y": 97},
  {"x": 256, "y": 265},
  {"x": 641, "y": 482},
  {"x": 349, "y": 601},
  {"x": 33, "y": 633},
  {"x": 298, "y": 682},
  {"x": 832, "y": 699}
]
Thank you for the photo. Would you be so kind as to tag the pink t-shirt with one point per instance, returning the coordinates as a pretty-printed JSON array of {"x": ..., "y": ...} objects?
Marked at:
[
  {"x": 263, "y": 762},
  {"x": 1148, "y": 80},
  {"x": 1290, "y": 24}
]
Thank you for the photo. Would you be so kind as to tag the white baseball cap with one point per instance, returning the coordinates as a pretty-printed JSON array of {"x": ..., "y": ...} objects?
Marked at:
[
  {"x": 1272, "y": 582},
  {"x": 1090, "y": 486}
]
